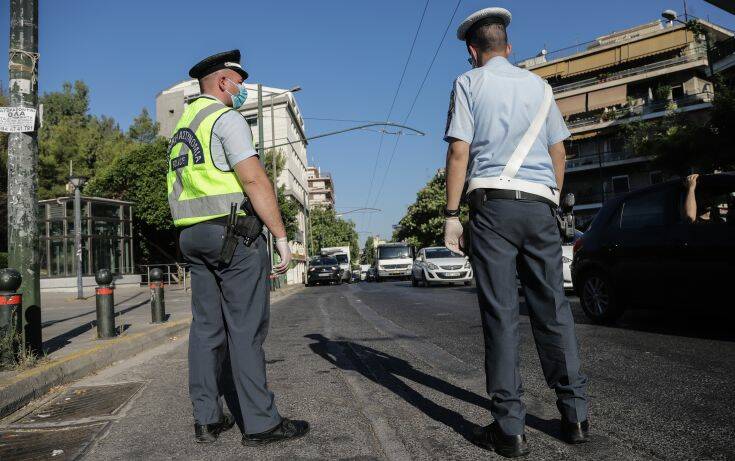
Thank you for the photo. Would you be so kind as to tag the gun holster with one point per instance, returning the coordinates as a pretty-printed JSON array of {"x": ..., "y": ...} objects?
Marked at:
[{"x": 249, "y": 227}]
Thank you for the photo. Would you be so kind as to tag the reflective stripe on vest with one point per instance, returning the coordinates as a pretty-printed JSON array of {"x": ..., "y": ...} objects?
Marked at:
[{"x": 197, "y": 190}]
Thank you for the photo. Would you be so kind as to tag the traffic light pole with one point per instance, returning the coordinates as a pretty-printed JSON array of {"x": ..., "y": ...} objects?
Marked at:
[{"x": 22, "y": 167}]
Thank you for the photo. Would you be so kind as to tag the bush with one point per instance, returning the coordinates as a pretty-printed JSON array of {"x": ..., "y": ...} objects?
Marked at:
[{"x": 3, "y": 260}]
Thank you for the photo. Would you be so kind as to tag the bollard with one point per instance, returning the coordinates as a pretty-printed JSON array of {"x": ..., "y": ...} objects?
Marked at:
[
  {"x": 158, "y": 306},
  {"x": 105, "y": 297},
  {"x": 10, "y": 309}
]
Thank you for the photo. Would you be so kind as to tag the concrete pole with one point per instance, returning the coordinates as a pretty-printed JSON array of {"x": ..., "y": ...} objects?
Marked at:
[
  {"x": 22, "y": 167},
  {"x": 78, "y": 239}
]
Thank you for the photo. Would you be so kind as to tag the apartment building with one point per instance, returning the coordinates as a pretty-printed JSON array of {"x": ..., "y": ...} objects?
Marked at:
[
  {"x": 642, "y": 73},
  {"x": 283, "y": 125},
  {"x": 321, "y": 187}
]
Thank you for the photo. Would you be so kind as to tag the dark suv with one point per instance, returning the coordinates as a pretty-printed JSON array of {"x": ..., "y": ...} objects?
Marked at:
[{"x": 665, "y": 245}]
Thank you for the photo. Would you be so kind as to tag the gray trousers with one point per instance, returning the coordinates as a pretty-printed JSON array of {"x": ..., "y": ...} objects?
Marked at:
[
  {"x": 230, "y": 308},
  {"x": 510, "y": 235}
]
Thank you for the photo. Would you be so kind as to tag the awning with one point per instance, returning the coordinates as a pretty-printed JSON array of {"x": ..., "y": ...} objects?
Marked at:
[
  {"x": 607, "y": 97},
  {"x": 573, "y": 104}
]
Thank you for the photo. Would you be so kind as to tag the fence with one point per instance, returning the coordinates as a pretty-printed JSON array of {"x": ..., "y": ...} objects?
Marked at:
[{"x": 173, "y": 273}]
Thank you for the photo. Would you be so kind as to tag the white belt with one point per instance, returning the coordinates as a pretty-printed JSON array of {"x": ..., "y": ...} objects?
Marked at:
[{"x": 507, "y": 180}]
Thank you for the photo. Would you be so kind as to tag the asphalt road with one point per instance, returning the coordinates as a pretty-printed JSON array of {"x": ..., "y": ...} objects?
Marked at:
[{"x": 386, "y": 371}]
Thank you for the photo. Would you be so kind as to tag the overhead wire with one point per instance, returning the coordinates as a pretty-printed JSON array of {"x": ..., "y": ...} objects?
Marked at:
[
  {"x": 395, "y": 98},
  {"x": 413, "y": 103}
]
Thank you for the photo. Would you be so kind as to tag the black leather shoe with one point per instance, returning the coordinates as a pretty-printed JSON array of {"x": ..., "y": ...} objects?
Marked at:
[
  {"x": 287, "y": 430},
  {"x": 574, "y": 433},
  {"x": 208, "y": 433},
  {"x": 509, "y": 446}
]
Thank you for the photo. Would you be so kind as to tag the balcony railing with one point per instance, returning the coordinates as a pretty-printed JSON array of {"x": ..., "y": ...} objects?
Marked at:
[
  {"x": 642, "y": 109},
  {"x": 692, "y": 54},
  {"x": 602, "y": 159}
]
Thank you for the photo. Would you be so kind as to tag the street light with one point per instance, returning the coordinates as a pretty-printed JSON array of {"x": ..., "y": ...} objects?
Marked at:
[
  {"x": 693, "y": 26},
  {"x": 75, "y": 184}
]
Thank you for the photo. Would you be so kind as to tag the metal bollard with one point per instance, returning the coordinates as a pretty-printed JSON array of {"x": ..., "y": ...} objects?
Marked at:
[
  {"x": 105, "y": 296},
  {"x": 158, "y": 305},
  {"x": 10, "y": 308}
]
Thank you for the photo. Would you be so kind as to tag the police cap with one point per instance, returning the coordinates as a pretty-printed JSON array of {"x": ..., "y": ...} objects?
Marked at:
[
  {"x": 225, "y": 60},
  {"x": 494, "y": 15}
]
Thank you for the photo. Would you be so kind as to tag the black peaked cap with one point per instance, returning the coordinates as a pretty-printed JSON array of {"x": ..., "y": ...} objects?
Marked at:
[{"x": 225, "y": 60}]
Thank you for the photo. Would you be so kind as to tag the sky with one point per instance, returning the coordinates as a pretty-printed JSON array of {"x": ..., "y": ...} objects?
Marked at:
[{"x": 347, "y": 56}]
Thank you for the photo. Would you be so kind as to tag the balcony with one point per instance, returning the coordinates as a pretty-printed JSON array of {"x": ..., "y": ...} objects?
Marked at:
[
  {"x": 615, "y": 115},
  {"x": 604, "y": 159},
  {"x": 692, "y": 54}
]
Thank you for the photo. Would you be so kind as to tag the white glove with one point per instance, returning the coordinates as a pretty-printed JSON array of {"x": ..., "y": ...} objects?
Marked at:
[
  {"x": 285, "y": 252},
  {"x": 453, "y": 238}
]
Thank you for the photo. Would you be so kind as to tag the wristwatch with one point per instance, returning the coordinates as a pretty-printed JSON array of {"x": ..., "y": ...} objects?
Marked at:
[{"x": 451, "y": 213}]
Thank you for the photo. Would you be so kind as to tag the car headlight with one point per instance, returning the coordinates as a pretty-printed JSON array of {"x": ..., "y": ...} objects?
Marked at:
[
  {"x": 565, "y": 260},
  {"x": 467, "y": 265},
  {"x": 334, "y": 268},
  {"x": 432, "y": 266},
  {"x": 312, "y": 269}
]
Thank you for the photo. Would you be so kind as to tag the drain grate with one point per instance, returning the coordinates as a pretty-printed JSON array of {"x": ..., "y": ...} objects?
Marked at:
[
  {"x": 83, "y": 402},
  {"x": 64, "y": 443}
]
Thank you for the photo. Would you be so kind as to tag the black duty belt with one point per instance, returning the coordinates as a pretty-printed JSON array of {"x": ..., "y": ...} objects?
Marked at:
[{"x": 512, "y": 195}]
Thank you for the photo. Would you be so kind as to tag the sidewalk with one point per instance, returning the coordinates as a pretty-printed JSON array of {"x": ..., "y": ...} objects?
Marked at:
[{"x": 72, "y": 349}]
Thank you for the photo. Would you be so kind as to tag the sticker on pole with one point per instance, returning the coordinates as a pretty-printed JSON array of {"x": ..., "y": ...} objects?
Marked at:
[{"x": 17, "y": 119}]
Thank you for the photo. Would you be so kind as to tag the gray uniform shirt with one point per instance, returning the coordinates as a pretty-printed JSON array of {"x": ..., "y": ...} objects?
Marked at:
[{"x": 232, "y": 140}]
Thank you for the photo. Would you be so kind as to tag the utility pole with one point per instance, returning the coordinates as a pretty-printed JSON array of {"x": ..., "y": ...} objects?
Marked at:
[
  {"x": 261, "y": 152},
  {"x": 23, "y": 252}
]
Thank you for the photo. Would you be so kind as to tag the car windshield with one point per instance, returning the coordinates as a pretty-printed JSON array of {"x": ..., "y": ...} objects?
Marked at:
[
  {"x": 324, "y": 261},
  {"x": 437, "y": 253},
  {"x": 401, "y": 252},
  {"x": 342, "y": 258}
]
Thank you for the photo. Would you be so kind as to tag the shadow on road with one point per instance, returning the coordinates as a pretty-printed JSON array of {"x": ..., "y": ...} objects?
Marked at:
[{"x": 385, "y": 369}]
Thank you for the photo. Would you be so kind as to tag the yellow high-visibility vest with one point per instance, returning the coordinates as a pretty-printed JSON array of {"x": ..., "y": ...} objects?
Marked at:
[{"x": 198, "y": 190}]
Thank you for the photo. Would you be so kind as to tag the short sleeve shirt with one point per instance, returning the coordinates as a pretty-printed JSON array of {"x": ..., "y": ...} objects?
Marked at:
[
  {"x": 491, "y": 108},
  {"x": 232, "y": 140}
]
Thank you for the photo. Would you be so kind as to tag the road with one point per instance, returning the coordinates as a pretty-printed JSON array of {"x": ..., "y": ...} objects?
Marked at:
[{"x": 386, "y": 371}]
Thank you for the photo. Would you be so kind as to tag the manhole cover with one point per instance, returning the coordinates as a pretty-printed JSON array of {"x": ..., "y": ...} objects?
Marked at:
[
  {"x": 64, "y": 443},
  {"x": 83, "y": 402}
]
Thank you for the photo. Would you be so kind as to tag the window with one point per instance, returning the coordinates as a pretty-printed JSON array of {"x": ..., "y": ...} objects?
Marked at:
[
  {"x": 441, "y": 253},
  {"x": 656, "y": 177},
  {"x": 643, "y": 211},
  {"x": 620, "y": 184}
]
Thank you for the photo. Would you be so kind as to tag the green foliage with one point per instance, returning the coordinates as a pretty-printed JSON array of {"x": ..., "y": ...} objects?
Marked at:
[
  {"x": 423, "y": 224},
  {"x": 680, "y": 143},
  {"x": 144, "y": 129},
  {"x": 3, "y": 260},
  {"x": 139, "y": 176},
  {"x": 329, "y": 230},
  {"x": 368, "y": 252},
  {"x": 289, "y": 207},
  {"x": 70, "y": 137}
]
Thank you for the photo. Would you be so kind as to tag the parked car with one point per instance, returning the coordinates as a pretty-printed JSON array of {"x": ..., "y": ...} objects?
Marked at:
[
  {"x": 643, "y": 250},
  {"x": 440, "y": 265},
  {"x": 323, "y": 269},
  {"x": 355, "y": 276},
  {"x": 567, "y": 253},
  {"x": 371, "y": 274}
]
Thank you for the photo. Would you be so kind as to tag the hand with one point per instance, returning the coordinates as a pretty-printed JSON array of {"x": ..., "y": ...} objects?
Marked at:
[
  {"x": 691, "y": 181},
  {"x": 453, "y": 238},
  {"x": 285, "y": 252}
]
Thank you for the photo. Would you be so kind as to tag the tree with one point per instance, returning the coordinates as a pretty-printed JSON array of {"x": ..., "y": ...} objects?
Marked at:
[
  {"x": 139, "y": 176},
  {"x": 368, "y": 252},
  {"x": 289, "y": 207},
  {"x": 423, "y": 224},
  {"x": 680, "y": 143},
  {"x": 144, "y": 129},
  {"x": 329, "y": 230}
]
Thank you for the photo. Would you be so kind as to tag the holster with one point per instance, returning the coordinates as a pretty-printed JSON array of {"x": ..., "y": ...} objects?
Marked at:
[{"x": 249, "y": 227}]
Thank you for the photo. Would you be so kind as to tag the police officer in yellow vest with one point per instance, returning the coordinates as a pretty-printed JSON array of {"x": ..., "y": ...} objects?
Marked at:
[{"x": 212, "y": 164}]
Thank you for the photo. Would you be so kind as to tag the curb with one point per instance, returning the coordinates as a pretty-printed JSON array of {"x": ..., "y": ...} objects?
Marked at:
[{"x": 35, "y": 382}]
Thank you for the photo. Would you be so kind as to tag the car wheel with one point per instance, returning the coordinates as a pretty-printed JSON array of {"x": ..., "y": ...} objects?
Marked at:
[
  {"x": 598, "y": 299},
  {"x": 414, "y": 282}
]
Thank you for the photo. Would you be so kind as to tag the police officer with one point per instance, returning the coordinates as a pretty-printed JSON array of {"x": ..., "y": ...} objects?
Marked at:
[
  {"x": 212, "y": 164},
  {"x": 505, "y": 153}
]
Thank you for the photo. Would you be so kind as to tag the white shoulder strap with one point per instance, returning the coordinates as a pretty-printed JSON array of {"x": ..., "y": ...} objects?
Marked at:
[{"x": 519, "y": 155}]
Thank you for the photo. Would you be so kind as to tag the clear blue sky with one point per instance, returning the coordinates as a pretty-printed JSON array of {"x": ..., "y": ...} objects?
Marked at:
[{"x": 347, "y": 56}]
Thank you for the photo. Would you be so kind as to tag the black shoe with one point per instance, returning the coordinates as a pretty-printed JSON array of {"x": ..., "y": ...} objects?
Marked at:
[
  {"x": 493, "y": 438},
  {"x": 287, "y": 430},
  {"x": 208, "y": 433},
  {"x": 574, "y": 433}
]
